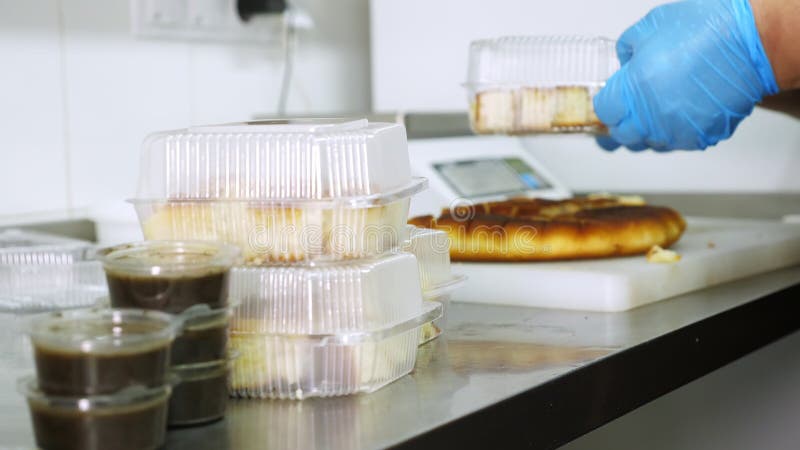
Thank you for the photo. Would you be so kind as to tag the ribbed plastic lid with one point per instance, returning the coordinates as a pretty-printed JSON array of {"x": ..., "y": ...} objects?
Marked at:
[
  {"x": 102, "y": 330},
  {"x": 312, "y": 159},
  {"x": 28, "y": 247},
  {"x": 326, "y": 298},
  {"x": 540, "y": 61}
]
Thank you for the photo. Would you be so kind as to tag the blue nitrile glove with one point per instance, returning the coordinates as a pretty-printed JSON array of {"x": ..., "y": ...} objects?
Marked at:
[{"x": 691, "y": 71}]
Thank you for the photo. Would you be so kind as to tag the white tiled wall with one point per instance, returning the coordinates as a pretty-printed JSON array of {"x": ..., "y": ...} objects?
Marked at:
[
  {"x": 78, "y": 93},
  {"x": 32, "y": 168}
]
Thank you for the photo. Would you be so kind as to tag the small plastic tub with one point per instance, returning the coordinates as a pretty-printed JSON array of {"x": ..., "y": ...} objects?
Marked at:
[
  {"x": 299, "y": 366},
  {"x": 203, "y": 336},
  {"x": 132, "y": 419},
  {"x": 94, "y": 351},
  {"x": 40, "y": 272},
  {"x": 200, "y": 394},
  {"x": 169, "y": 276},
  {"x": 289, "y": 190},
  {"x": 537, "y": 84},
  {"x": 327, "y": 297}
]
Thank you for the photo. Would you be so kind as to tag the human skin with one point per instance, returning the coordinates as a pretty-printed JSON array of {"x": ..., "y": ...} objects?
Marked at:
[{"x": 778, "y": 26}]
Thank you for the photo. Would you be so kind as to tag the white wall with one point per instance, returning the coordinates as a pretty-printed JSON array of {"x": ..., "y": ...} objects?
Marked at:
[
  {"x": 419, "y": 54},
  {"x": 78, "y": 93}
]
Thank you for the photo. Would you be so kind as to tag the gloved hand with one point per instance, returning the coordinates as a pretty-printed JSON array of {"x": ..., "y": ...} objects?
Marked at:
[{"x": 690, "y": 72}]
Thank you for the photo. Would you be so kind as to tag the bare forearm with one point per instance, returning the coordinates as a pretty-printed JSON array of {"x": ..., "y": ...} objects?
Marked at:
[
  {"x": 778, "y": 23},
  {"x": 787, "y": 102}
]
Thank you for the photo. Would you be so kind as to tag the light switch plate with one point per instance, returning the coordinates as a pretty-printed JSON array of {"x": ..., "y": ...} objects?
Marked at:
[{"x": 201, "y": 20}]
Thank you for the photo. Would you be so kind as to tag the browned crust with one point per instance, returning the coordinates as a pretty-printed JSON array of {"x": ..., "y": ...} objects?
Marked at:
[{"x": 544, "y": 230}]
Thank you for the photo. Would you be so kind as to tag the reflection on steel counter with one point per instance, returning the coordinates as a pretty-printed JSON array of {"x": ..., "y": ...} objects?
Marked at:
[
  {"x": 496, "y": 356},
  {"x": 342, "y": 422}
]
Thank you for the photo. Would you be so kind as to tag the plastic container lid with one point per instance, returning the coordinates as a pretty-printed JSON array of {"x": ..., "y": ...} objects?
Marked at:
[
  {"x": 134, "y": 395},
  {"x": 27, "y": 247},
  {"x": 102, "y": 330},
  {"x": 312, "y": 159},
  {"x": 320, "y": 298},
  {"x": 168, "y": 258},
  {"x": 541, "y": 61},
  {"x": 41, "y": 272}
]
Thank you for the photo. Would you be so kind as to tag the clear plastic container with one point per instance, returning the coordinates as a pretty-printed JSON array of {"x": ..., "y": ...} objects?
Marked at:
[
  {"x": 280, "y": 190},
  {"x": 200, "y": 394},
  {"x": 280, "y": 232},
  {"x": 40, "y": 272},
  {"x": 101, "y": 351},
  {"x": 323, "y": 365},
  {"x": 169, "y": 276},
  {"x": 537, "y": 84},
  {"x": 432, "y": 250},
  {"x": 326, "y": 297},
  {"x": 132, "y": 419}
]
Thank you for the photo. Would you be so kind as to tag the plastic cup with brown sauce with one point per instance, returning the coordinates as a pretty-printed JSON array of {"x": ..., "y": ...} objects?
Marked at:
[
  {"x": 131, "y": 419},
  {"x": 169, "y": 276},
  {"x": 189, "y": 278},
  {"x": 200, "y": 393},
  {"x": 101, "y": 351}
]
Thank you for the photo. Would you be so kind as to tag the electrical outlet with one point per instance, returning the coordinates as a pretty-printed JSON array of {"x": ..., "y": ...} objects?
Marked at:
[{"x": 204, "y": 20}]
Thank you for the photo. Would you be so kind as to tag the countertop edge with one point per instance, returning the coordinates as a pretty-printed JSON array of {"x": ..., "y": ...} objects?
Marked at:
[{"x": 565, "y": 408}]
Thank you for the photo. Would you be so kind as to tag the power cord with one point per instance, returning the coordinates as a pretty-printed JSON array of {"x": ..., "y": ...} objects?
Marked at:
[{"x": 293, "y": 19}]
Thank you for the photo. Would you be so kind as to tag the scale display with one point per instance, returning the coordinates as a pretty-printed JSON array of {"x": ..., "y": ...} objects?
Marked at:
[{"x": 485, "y": 177}]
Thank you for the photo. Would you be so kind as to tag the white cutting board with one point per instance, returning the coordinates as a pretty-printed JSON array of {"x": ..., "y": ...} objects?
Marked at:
[{"x": 713, "y": 251}]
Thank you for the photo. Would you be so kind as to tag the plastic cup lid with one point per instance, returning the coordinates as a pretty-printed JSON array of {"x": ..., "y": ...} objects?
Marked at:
[
  {"x": 130, "y": 396},
  {"x": 102, "y": 330},
  {"x": 168, "y": 258}
]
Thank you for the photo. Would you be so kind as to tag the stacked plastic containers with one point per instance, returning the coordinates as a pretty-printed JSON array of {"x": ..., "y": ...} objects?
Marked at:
[
  {"x": 189, "y": 281},
  {"x": 328, "y": 302},
  {"x": 537, "y": 84},
  {"x": 102, "y": 378}
]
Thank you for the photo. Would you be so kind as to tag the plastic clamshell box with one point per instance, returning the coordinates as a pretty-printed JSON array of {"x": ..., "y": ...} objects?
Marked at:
[
  {"x": 326, "y": 298},
  {"x": 432, "y": 250},
  {"x": 289, "y": 366},
  {"x": 293, "y": 190},
  {"x": 134, "y": 418},
  {"x": 41, "y": 272},
  {"x": 537, "y": 84}
]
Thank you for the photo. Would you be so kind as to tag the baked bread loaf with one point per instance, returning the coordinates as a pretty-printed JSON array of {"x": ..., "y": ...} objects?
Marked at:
[{"x": 543, "y": 230}]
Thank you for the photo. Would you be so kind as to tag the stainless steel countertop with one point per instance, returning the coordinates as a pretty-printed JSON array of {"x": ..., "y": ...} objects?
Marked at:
[{"x": 487, "y": 354}]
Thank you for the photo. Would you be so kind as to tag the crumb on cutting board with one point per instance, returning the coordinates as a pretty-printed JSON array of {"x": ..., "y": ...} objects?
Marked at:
[{"x": 657, "y": 254}]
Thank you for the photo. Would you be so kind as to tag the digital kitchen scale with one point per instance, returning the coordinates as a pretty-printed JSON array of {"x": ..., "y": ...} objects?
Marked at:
[{"x": 477, "y": 169}]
